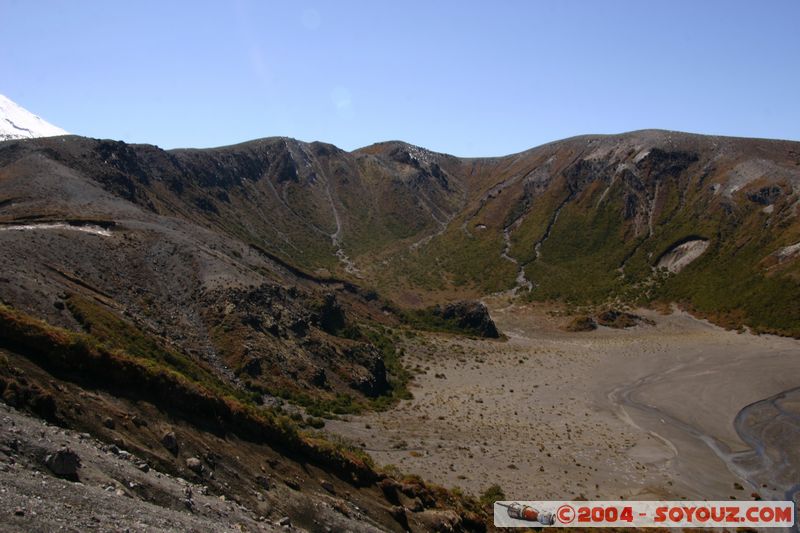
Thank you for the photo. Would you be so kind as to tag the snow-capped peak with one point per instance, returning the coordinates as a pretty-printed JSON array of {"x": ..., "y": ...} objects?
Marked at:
[{"x": 18, "y": 123}]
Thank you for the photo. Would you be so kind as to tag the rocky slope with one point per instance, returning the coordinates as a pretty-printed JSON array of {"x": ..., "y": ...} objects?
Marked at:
[
  {"x": 135, "y": 464},
  {"x": 588, "y": 219},
  {"x": 279, "y": 270},
  {"x": 184, "y": 451},
  {"x": 154, "y": 309}
]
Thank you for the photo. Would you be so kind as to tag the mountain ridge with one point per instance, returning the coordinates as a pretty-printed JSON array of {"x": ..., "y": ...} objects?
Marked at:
[
  {"x": 400, "y": 142},
  {"x": 369, "y": 214}
]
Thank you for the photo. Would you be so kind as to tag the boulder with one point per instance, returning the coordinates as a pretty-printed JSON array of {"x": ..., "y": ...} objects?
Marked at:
[
  {"x": 194, "y": 464},
  {"x": 390, "y": 489},
  {"x": 170, "y": 442},
  {"x": 64, "y": 463},
  {"x": 398, "y": 512}
]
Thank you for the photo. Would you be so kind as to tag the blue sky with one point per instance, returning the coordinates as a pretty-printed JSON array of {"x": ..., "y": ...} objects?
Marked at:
[{"x": 468, "y": 78}]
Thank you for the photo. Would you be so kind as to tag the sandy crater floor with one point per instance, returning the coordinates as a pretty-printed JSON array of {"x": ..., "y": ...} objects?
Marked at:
[{"x": 638, "y": 414}]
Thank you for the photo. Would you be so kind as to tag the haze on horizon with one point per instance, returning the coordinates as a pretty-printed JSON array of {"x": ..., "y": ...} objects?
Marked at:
[{"x": 463, "y": 78}]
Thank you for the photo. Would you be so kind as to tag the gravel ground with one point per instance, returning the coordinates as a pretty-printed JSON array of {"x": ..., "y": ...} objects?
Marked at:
[
  {"x": 642, "y": 413},
  {"x": 111, "y": 491}
]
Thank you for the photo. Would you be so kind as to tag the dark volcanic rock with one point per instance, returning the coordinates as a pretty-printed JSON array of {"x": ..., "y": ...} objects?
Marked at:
[
  {"x": 471, "y": 316},
  {"x": 370, "y": 376},
  {"x": 582, "y": 323},
  {"x": 64, "y": 463},
  {"x": 621, "y": 319},
  {"x": 617, "y": 319},
  {"x": 252, "y": 367},
  {"x": 398, "y": 512},
  {"x": 390, "y": 488},
  {"x": 765, "y": 195},
  {"x": 170, "y": 442},
  {"x": 662, "y": 163},
  {"x": 331, "y": 314},
  {"x": 317, "y": 377}
]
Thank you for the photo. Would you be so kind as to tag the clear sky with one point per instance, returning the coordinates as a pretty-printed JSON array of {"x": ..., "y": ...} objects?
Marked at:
[{"x": 468, "y": 78}]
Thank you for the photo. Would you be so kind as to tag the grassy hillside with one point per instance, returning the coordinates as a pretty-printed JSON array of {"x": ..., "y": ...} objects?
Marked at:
[
  {"x": 586, "y": 218},
  {"x": 592, "y": 229}
]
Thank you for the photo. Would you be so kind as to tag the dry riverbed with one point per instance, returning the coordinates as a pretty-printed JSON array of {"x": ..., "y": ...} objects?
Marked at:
[{"x": 640, "y": 413}]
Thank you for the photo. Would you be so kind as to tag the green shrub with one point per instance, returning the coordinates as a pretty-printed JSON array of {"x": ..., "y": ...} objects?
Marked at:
[{"x": 492, "y": 494}]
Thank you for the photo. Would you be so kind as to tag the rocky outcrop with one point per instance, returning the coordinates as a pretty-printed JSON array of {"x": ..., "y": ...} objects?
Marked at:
[
  {"x": 470, "y": 316},
  {"x": 331, "y": 315},
  {"x": 613, "y": 318},
  {"x": 680, "y": 255},
  {"x": 287, "y": 339},
  {"x": 368, "y": 375},
  {"x": 581, "y": 323},
  {"x": 766, "y": 195}
]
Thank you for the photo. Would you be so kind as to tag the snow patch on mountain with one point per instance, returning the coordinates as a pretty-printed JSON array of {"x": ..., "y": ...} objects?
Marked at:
[{"x": 17, "y": 122}]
